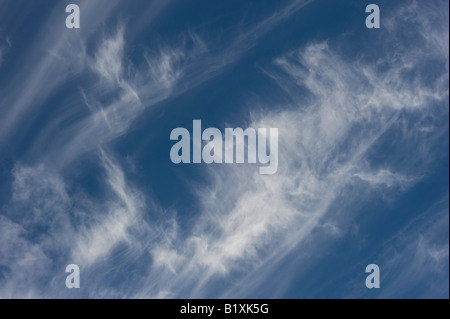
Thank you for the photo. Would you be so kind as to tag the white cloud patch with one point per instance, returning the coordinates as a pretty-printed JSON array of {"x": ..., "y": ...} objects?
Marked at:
[
  {"x": 44, "y": 228},
  {"x": 35, "y": 226},
  {"x": 22, "y": 262},
  {"x": 113, "y": 226},
  {"x": 108, "y": 58},
  {"x": 248, "y": 221}
]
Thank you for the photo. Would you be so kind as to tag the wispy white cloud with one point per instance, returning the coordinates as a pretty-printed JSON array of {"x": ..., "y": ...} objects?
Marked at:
[
  {"x": 248, "y": 221},
  {"x": 414, "y": 262},
  {"x": 112, "y": 227},
  {"x": 54, "y": 55},
  {"x": 128, "y": 96},
  {"x": 127, "y": 89},
  {"x": 123, "y": 90},
  {"x": 22, "y": 262},
  {"x": 418, "y": 256},
  {"x": 232, "y": 47},
  {"x": 108, "y": 58},
  {"x": 39, "y": 202},
  {"x": 77, "y": 228}
]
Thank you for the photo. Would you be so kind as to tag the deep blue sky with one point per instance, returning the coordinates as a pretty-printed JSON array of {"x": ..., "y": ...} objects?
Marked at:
[{"x": 86, "y": 177}]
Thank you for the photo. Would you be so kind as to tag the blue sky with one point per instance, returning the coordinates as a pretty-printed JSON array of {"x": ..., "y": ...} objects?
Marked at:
[{"x": 86, "y": 177}]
